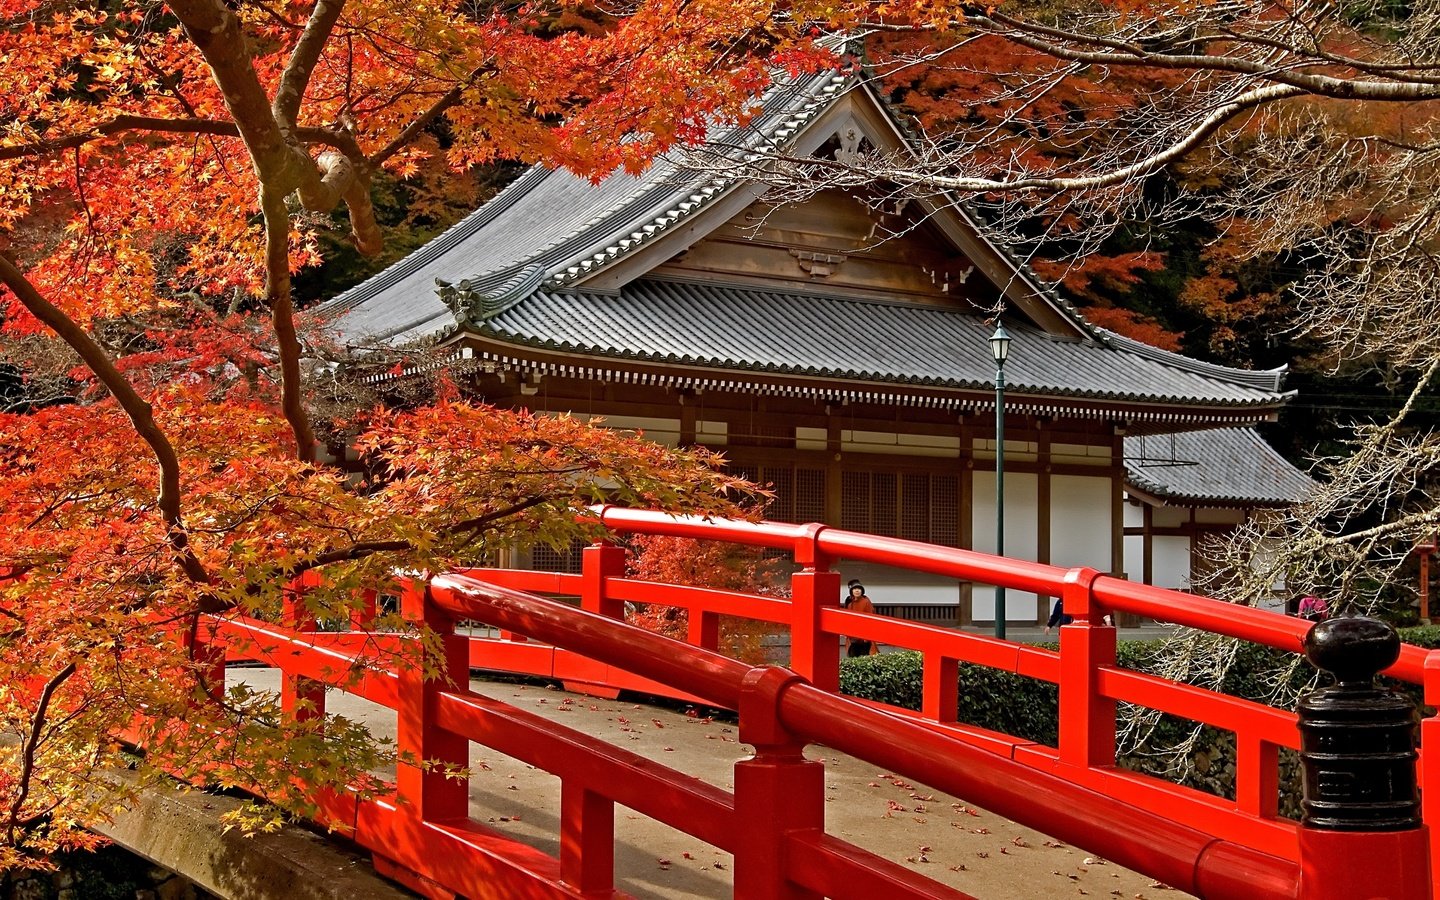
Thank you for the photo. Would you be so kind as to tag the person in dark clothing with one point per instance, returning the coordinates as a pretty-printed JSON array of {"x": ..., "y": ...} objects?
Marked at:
[
  {"x": 1058, "y": 616},
  {"x": 856, "y": 601}
]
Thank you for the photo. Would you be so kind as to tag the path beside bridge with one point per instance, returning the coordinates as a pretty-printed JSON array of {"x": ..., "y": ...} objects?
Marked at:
[{"x": 937, "y": 834}]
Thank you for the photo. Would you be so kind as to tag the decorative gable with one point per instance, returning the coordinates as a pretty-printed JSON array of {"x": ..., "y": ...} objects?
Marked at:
[{"x": 837, "y": 242}]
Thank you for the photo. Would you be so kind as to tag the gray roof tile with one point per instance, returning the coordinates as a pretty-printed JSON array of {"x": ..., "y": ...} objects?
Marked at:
[
  {"x": 800, "y": 334},
  {"x": 1230, "y": 466}
]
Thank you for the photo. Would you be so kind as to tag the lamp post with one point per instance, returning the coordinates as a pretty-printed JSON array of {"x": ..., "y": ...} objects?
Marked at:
[{"x": 1000, "y": 349}]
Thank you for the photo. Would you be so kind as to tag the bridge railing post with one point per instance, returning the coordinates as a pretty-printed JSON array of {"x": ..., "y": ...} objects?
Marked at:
[
  {"x": 363, "y": 617},
  {"x": 703, "y": 629},
  {"x": 301, "y": 697},
  {"x": 1361, "y": 834},
  {"x": 587, "y": 839},
  {"x": 426, "y": 750},
  {"x": 814, "y": 654},
  {"x": 1087, "y": 718},
  {"x": 598, "y": 562},
  {"x": 1429, "y": 773},
  {"x": 207, "y": 653},
  {"x": 777, "y": 791}
]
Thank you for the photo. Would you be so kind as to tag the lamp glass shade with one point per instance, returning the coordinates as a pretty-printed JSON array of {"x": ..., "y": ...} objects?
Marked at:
[{"x": 1000, "y": 345}]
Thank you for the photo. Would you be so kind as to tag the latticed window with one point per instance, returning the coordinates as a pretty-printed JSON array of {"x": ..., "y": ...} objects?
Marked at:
[
  {"x": 809, "y": 495},
  {"x": 920, "y": 506},
  {"x": 799, "y": 491},
  {"x": 544, "y": 558}
]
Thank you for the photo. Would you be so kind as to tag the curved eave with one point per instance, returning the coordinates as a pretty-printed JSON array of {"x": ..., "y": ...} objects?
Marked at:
[
  {"x": 565, "y": 359},
  {"x": 1154, "y": 496}
]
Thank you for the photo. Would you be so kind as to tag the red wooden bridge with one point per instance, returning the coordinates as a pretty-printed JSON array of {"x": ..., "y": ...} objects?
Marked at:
[{"x": 773, "y": 821}]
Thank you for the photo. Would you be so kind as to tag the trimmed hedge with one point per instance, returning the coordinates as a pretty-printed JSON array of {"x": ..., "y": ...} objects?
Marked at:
[{"x": 1028, "y": 708}]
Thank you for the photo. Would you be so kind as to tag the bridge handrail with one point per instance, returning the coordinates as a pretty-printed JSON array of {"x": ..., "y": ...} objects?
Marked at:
[
  {"x": 1183, "y": 857},
  {"x": 814, "y": 541}
]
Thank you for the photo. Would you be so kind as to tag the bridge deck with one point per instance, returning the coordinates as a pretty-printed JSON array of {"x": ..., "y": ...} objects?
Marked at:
[{"x": 1000, "y": 859}]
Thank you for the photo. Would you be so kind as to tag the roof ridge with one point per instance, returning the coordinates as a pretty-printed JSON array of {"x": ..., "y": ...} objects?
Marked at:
[
  {"x": 1264, "y": 379},
  {"x": 822, "y": 88},
  {"x": 777, "y": 291},
  {"x": 437, "y": 245}
]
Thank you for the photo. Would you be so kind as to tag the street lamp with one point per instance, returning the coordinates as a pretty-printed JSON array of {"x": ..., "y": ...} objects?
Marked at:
[{"x": 1000, "y": 349}]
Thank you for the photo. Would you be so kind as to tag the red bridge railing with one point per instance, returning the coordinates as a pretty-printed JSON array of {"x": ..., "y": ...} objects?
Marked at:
[{"x": 773, "y": 822}]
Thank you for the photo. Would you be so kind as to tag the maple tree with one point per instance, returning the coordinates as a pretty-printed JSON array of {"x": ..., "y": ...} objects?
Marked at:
[
  {"x": 709, "y": 564},
  {"x": 166, "y": 169}
]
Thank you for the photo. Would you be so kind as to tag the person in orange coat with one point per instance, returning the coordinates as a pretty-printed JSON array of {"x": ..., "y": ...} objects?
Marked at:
[{"x": 858, "y": 602}]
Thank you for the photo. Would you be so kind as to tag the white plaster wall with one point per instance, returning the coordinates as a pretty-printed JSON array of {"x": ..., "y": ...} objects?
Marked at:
[
  {"x": 1020, "y": 539},
  {"x": 1135, "y": 557},
  {"x": 886, "y": 585},
  {"x": 665, "y": 432},
  {"x": 1171, "y": 559},
  {"x": 1080, "y": 527},
  {"x": 894, "y": 443}
]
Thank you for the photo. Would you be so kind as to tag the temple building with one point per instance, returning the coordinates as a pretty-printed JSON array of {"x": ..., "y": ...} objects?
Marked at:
[{"x": 836, "y": 348}]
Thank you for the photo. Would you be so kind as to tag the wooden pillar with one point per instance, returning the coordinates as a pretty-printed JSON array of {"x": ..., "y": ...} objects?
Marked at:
[
  {"x": 966, "y": 512},
  {"x": 1192, "y": 540},
  {"x": 688, "y": 417},
  {"x": 1042, "y": 511},
  {"x": 1426, "y": 550},
  {"x": 1117, "y": 514},
  {"x": 834, "y": 487},
  {"x": 1148, "y": 544}
]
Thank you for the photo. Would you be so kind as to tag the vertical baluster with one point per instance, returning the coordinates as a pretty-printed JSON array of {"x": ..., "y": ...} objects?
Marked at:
[
  {"x": 207, "y": 652},
  {"x": 813, "y": 653},
  {"x": 599, "y": 562},
  {"x": 1087, "y": 719},
  {"x": 777, "y": 792},
  {"x": 301, "y": 697},
  {"x": 428, "y": 793},
  {"x": 587, "y": 840},
  {"x": 703, "y": 629},
  {"x": 941, "y": 696},
  {"x": 363, "y": 618},
  {"x": 1257, "y": 776}
]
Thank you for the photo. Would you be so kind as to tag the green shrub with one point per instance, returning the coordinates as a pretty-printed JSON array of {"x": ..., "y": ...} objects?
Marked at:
[{"x": 989, "y": 698}]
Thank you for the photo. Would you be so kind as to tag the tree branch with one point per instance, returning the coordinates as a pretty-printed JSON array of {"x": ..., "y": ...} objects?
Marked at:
[
  {"x": 411, "y": 131},
  {"x": 168, "y": 498},
  {"x": 296, "y": 77},
  {"x": 31, "y": 745},
  {"x": 1044, "y": 40},
  {"x": 869, "y": 170},
  {"x": 157, "y": 124},
  {"x": 366, "y": 548},
  {"x": 282, "y": 318},
  {"x": 218, "y": 35}
]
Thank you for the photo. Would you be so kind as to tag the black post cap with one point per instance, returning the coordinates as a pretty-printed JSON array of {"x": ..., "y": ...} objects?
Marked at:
[{"x": 1352, "y": 648}]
